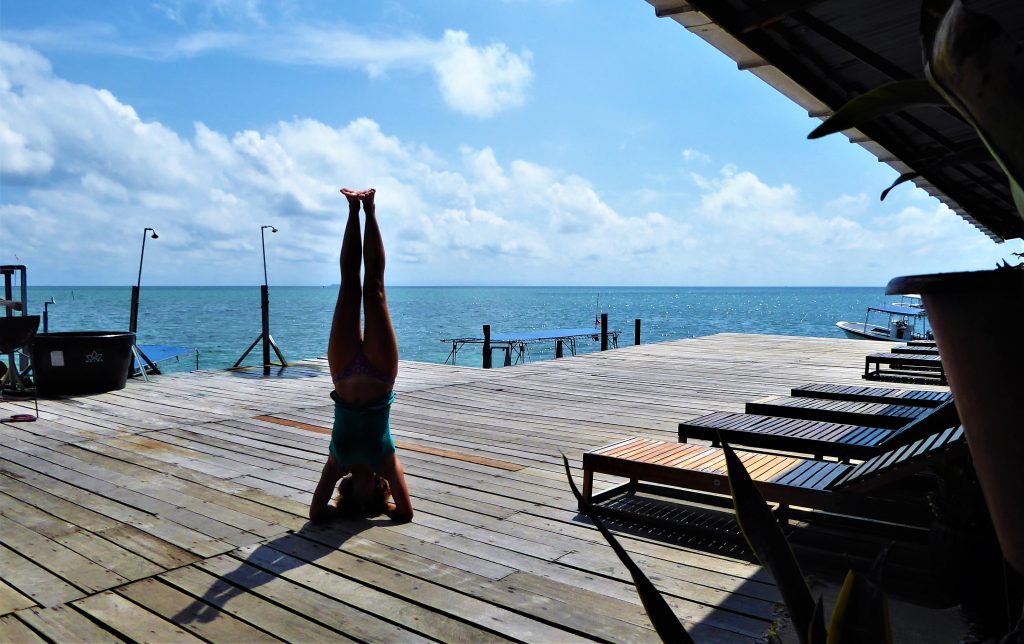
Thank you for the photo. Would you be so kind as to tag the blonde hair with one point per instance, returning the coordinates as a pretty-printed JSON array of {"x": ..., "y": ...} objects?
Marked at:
[{"x": 350, "y": 506}]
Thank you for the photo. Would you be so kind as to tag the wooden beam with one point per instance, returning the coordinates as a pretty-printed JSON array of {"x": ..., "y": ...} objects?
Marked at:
[
  {"x": 674, "y": 10},
  {"x": 770, "y": 13}
]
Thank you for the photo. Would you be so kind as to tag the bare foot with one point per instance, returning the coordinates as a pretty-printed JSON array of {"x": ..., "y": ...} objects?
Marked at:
[
  {"x": 366, "y": 196},
  {"x": 352, "y": 196}
]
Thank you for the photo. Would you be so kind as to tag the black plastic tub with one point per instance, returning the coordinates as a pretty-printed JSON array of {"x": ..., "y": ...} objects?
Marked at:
[{"x": 81, "y": 362}]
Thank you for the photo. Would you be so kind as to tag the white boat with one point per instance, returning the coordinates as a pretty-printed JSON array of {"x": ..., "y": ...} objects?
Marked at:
[{"x": 897, "y": 322}]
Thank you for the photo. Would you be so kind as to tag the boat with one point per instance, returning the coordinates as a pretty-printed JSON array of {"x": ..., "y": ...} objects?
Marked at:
[{"x": 896, "y": 322}]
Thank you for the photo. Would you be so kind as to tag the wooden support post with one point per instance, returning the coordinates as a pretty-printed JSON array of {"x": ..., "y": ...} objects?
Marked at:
[
  {"x": 558, "y": 348},
  {"x": 133, "y": 314},
  {"x": 487, "y": 346},
  {"x": 636, "y": 331},
  {"x": 265, "y": 310},
  {"x": 604, "y": 332}
]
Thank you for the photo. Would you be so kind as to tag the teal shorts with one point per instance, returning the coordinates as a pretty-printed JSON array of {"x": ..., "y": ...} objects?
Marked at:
[{"x": 362, "y": 433}]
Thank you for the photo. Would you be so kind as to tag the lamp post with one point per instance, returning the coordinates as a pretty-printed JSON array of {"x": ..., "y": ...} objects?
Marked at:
[
  {"x": 268, "y": 340},
  {"x": 133, "y": 321},
  {"x": 265, "y": 302}
]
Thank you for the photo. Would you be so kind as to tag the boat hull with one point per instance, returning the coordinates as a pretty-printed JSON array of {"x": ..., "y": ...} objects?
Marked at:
[{"x": 860, "y": 331}]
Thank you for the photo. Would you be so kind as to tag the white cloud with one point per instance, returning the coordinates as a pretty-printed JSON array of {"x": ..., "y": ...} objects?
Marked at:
[
  {"x": 481, "y": 81},
  {"x": 695, "y": 156},
  {"x": 83, "y": 173},
  {"x": 478, "y": 81},
  {"x": 108, "y": 173}
]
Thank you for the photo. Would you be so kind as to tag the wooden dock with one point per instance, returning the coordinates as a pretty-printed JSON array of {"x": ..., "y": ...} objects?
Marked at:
[{"x": 175, "y": 510}]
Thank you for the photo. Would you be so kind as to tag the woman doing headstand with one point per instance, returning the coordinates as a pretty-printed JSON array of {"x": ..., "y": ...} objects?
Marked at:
[{"x": 364, "y": 364}]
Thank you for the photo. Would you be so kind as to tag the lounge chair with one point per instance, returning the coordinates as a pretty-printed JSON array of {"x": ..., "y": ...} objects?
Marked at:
[
  {"x": 817, "y": 437},
  {"x": 922, "y": 343},
  {"x": 890, "y": 366},
  {"x": 865, "y": 490},
  {"x": 890, "y": 415},
  {"x": 914, "y": 350},
  {"x": 920, "y": 397}
]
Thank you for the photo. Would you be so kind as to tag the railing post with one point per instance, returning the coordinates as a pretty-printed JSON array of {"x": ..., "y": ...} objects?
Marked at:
[
  {"x": 604, "y": 332},
  {"x": 558, "y": 348},
  {"x": 636, "y": 331},
  {"x": 487, "y": 346}
]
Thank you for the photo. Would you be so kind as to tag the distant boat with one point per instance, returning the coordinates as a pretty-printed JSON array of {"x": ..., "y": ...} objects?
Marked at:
[{"x": 897, "y": 322}]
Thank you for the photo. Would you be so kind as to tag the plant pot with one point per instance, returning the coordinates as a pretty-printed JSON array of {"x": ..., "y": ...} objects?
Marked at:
[
  {"x": 81, "y": 362},
  {"x": 977, "y": 321}
]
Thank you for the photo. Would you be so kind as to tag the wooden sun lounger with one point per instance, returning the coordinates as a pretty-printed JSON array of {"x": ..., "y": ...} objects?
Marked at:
[
  {"x": 891, "y": 415},
  {"x": 915, "y": 351},
  {"x": 839, "y": 488},
  {"x": 821, "y": 436},
  {"x": 921, "y": 397},
  {"x": 922, "y": 343},
  {"x": 904, "y": 366}
]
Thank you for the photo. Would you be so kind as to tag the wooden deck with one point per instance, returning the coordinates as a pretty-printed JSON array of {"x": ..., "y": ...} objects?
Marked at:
[{"x": 175, "y": 510}]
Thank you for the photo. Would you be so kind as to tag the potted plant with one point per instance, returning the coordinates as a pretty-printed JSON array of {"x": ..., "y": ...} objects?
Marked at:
[{"x": 973, "y": 65}]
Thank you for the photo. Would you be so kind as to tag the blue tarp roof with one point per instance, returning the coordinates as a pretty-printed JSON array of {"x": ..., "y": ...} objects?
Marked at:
[
  {"x": 161, "y": 352},
  {"x": 898, "y": 310}
]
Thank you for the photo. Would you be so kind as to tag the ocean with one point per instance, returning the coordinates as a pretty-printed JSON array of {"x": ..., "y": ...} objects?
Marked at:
[{"x": 221, "y": 322}]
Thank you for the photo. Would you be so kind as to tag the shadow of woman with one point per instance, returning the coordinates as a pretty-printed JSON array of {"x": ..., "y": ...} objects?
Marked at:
[{"x": 271, "y": 560}]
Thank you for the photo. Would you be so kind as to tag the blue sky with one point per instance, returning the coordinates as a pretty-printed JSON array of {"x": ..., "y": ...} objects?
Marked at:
[{"x": 511, "y": 142}]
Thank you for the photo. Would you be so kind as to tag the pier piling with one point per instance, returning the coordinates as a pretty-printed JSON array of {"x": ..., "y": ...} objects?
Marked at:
[
  {"x": 604, "y": 332},
  {"x": 487, "y": 346}
]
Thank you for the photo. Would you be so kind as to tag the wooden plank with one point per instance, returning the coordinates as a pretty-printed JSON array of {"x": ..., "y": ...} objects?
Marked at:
[
  {"x": 15, "y": 632},
  {"x": 11, "y": 600},
  {"x": 335, "y": 615},
  {"x": 130, "y": 621},
  {"x": 65, "y": 624},
  {"x": 438, "y": 597},
  {"x": 404, "y": 613}
]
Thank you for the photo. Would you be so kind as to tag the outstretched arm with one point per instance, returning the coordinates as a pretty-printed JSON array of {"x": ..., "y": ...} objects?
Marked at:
[
  {"x": 401, "y": 509},
  {"x": 320, "y": 509}
]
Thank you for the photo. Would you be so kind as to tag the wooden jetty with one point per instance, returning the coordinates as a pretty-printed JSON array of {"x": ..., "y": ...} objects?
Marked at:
[{"x": 175, "y": 510}]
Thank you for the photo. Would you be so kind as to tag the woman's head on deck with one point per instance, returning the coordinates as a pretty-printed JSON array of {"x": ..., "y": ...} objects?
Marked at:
[{"x": 362, "y": 493}]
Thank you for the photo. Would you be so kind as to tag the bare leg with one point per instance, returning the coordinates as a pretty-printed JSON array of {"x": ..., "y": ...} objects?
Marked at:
[
  {"x": 346, "y": 340},
  {"x": 379, "y": 343}
]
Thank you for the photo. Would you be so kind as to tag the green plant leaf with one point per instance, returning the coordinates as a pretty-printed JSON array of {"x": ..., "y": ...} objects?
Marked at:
[
  {"x": 977, "y": 66},
  {"x": 665, "y": 622},
  {"x": 861, "y": 613},
  {"x": 903, "y": 178},
  {"x": 765, "y": 537},
  {"x": 970, "y": 154},
  {"x": 817, "y": 618},
  {"x": 884, "y": 99}
]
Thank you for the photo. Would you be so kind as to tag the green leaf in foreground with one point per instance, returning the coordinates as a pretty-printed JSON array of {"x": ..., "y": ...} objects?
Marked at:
[
  {"x": 861, "y": 613},
  {"x": 665, "y": 622},
  {"x": 766, "y": 539},
  {"x": 977, "y": 66},
  {"x": 884, "y": 99}
]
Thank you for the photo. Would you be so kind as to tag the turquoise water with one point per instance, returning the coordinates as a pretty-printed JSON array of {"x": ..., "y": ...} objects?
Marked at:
[{"x": 222, "y": 321}]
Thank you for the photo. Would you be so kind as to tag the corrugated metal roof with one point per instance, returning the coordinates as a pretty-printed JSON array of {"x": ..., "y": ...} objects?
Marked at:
[{"x": 822, "y": 53}]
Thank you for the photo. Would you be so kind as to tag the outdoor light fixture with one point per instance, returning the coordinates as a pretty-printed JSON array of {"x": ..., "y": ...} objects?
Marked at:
[
  {"x": 263, "y": 244},
  {"x": 143, "y": 253},
  {"x": 133, "y": 319},
  {"x": 268, "y": 340}
]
